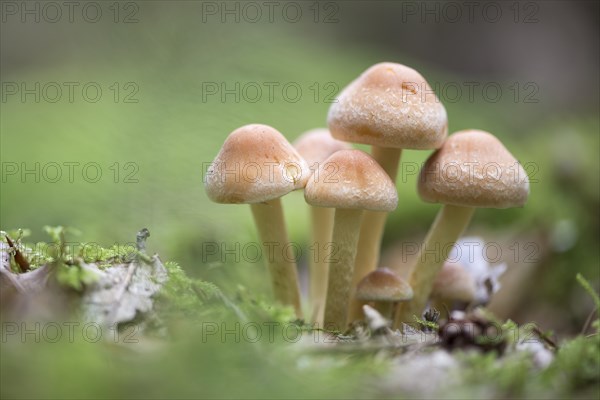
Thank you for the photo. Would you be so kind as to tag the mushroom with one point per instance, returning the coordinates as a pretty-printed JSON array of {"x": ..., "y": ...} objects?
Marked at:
[
  {"x": 472, "y": 169},
  {"x": 315, "y": 146},
  {"x": 257, "y": 166},
  {"x": 385, "y": 288},
  {"x": 358, "y": 184},
  {"x": 485, "y": 275},
  {"x": 452, "y": 284},
  {"x": 390, "y": 107}
]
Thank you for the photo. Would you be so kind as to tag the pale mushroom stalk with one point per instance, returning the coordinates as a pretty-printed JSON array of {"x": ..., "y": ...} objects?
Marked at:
[
  {"x": 315, "y": 146},
  {"x": 270, "y": 224},
  {"x": 371, "y": 230},
  {"x": 447, "y": 228},
  {"x": 359, "y": 184},
  {"x": 385, "y": 308},
  {"x": 322, "y": 226},
  {"x": 388, "y": 158},
  {"x": 346, "y": 229}
]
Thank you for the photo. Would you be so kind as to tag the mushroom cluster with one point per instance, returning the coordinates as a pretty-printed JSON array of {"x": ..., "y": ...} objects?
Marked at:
[{"x": 350, "y": 193}]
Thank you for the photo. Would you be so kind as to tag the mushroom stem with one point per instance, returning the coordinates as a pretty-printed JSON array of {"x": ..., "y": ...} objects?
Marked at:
[
  {"x": 388, "y": 159},
  {"x": 322, "y": 226},
  {"x": 385, "y": 308},
  {"x": 346, "y": 229},
  {"x": 449, "y": 224},
  {"x": 270, "y": 223},
  {"x": 371, "y": 231}
]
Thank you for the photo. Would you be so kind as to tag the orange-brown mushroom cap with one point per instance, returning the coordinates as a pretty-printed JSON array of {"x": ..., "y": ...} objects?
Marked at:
[
  {"x": 316, "y": 145},
  {"x": 389, "y": 105},
  {"x": 351, "y": 179},
  {"x": 256, "y": 164},
  {"x": 474, "y": 169},
  {"x": 454, "y": 283},
  {"x": 383, "y": 285}
]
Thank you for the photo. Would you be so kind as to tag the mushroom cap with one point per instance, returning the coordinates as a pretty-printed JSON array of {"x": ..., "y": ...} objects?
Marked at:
[
  {"x": 454, "y": 283},
  {"x": 255, "y": 164},
  {"x": 316, "y": 145},
  {"x": 383, "y": 284},
  {"x": 351, "y": 179},
  {"x": 389, "y": 105},
  {"x": 473, "y": 169}
]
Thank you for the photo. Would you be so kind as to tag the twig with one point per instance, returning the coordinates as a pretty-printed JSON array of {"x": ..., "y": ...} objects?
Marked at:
[
  {"x": 588, "y": 321},
  {"x": 545, "y": 337}
]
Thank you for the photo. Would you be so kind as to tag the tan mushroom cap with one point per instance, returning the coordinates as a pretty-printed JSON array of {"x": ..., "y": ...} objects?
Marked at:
[
  {"x": 454, "y": 283},
  {"x": 316, "y": 145},
  {"x": 474, "y": 169},
  {"x": 389, "y": 105},
  {"x": 383, "y": 284},
  {"x": 351, "y": 179},
  {"x": 255, "y": 164}
]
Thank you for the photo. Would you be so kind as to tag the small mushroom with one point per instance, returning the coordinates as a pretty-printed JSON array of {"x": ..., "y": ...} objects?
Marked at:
[
  {"x": 472, "y": 169},
  {"x": 358, "y": 184},
  {"x": 384, "y": 287},
  {"x": 390, "y": 107},
  {"x": 315, "y": 146},
  {"x": 257, "y": 166},
  {"x": 485, "y": 275},
  {"x": 453, "y": 284}
]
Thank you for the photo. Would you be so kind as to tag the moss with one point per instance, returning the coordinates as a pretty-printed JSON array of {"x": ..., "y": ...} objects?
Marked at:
[
  {"x": 577, "y": 364},
  {"x": 178, "y": 294},
  {"x": 192, "y": 363}
]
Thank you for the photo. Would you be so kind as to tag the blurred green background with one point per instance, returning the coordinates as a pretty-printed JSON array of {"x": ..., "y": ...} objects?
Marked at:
[{"x": 543, "y": 59}]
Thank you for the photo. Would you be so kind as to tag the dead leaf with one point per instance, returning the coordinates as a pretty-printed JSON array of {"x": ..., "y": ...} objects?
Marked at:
[{"x": 123, "y": 291}]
